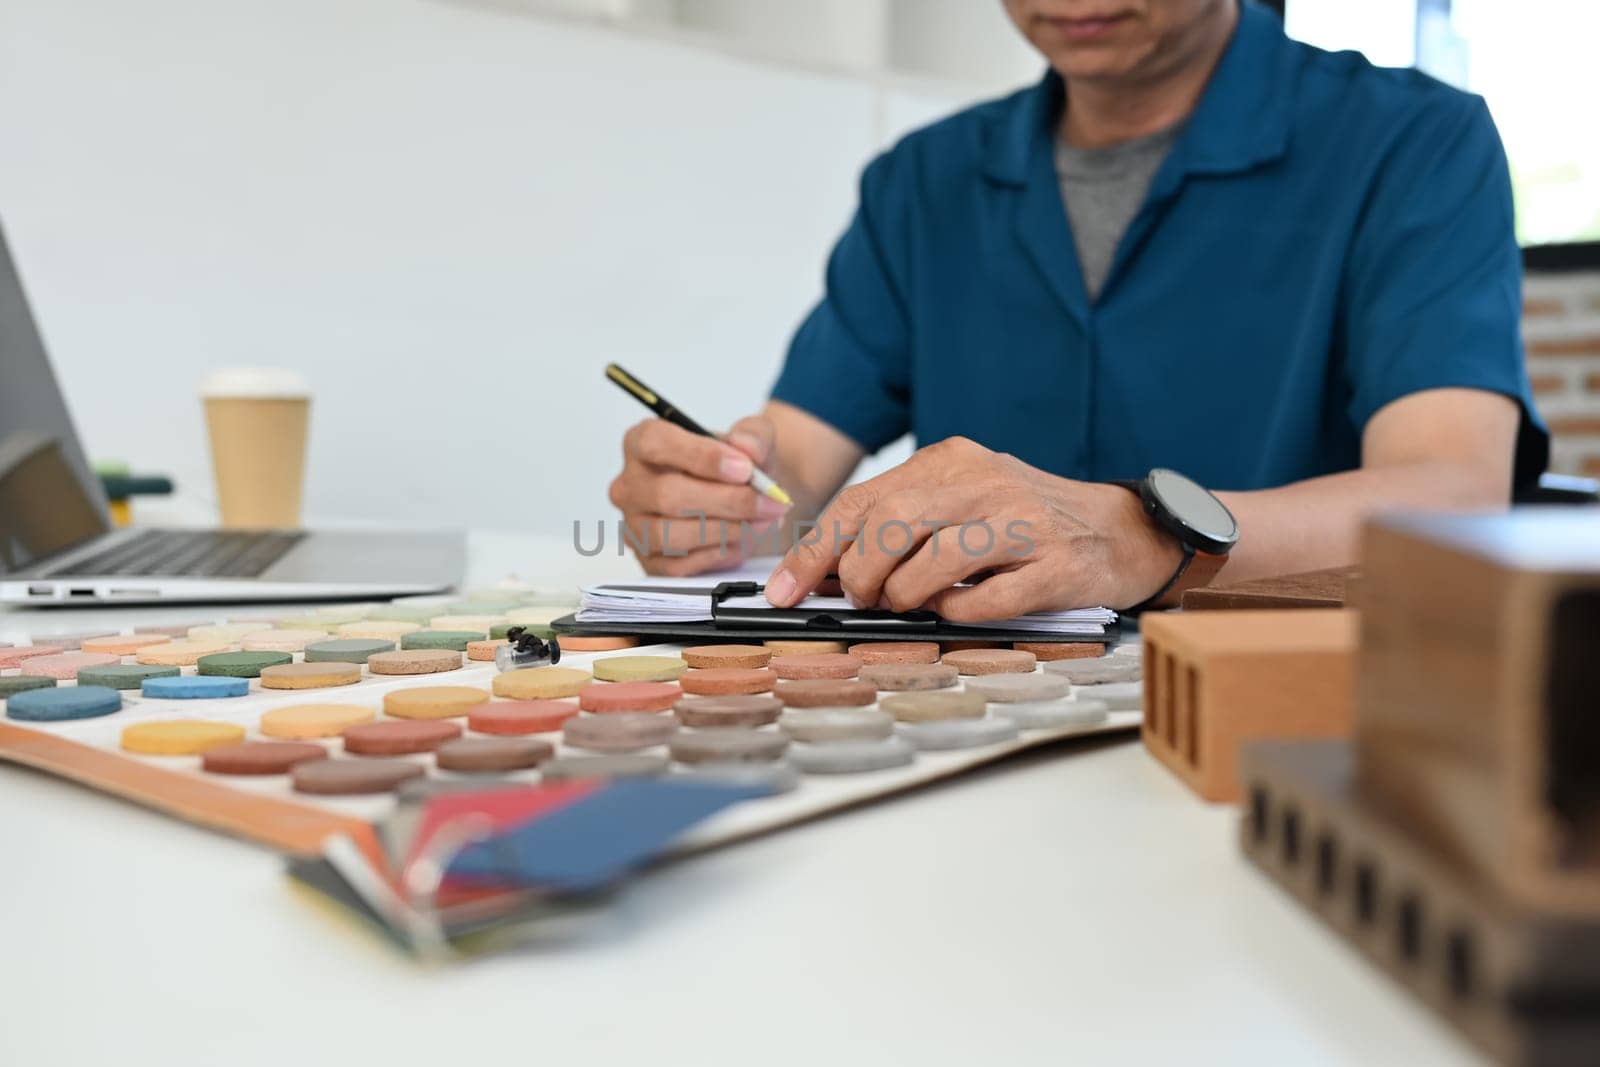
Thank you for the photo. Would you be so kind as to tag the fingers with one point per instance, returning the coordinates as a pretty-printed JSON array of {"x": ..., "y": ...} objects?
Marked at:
[
  {"x": 898, "y": 529},
  {"x": 660, "y": 444},
  {"x": 1003, "y": 596},
  {"x": 954, "y": 554},
  {"x": 816, "y": 553},
  {"x": 754, "y": 436}
]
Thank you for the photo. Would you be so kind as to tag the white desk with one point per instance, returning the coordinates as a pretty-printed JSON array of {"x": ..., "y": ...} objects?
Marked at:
[{"x": 1073, "y": 907}]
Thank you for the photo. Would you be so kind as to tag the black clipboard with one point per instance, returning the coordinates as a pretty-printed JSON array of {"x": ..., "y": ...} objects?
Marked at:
[{"x": 772, "y": 624}]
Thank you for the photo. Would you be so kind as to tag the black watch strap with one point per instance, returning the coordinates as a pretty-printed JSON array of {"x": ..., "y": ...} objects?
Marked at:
[{"x": 1136, "y": 487}]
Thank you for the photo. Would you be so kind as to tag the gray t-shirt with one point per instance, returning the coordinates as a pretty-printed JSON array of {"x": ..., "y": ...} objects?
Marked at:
[{"x": 1103, "y": 189}]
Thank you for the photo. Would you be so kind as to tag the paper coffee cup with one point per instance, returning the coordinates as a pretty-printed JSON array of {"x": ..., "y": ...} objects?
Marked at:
[{"x": 257, "y": 420}]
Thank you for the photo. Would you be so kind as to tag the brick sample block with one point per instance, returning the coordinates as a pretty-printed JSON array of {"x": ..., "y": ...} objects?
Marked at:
[
  {"x": 1311, "y": 589},
  {"x": 1217, "y": 679}
]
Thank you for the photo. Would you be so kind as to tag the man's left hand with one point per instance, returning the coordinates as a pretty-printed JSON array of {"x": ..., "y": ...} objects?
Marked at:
[{"x": 956, "y": 511}]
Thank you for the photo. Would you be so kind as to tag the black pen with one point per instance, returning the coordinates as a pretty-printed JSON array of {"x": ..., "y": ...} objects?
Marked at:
[{"x": 662, "y": 407}]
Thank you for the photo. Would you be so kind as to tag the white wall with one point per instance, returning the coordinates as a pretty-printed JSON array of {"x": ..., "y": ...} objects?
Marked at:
[{"x": 448, "y": 216}]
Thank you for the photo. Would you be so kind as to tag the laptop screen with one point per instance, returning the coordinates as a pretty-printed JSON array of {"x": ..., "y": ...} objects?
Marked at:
[{"x": 49, "y": 498}]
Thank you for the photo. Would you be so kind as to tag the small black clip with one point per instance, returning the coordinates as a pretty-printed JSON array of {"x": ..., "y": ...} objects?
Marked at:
[{"x": 532, "y": 645}]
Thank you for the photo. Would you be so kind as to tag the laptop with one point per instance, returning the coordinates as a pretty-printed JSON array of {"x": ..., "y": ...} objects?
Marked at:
[{"x": 57, "y": 544}]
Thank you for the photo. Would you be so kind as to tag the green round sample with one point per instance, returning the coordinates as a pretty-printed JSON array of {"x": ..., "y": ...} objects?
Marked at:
[
  {"x": 21, "y": 683},
  {"x": 240, "y": 664},
  {"x": 455, "y": 640},
  {"x": 124, "y": 675},
  {"x": 346, "y": 650},
  {"x": 479, "y": 607}
]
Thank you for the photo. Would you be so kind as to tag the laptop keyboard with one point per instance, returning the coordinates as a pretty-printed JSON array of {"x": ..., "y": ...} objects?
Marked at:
[{"x": 188, "y": 554}]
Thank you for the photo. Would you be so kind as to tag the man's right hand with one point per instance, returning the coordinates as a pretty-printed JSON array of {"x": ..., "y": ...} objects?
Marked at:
[{"x": 671, "y": 477}]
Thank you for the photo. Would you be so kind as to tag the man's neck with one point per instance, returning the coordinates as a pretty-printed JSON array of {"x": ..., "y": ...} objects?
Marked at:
[{"x": 1103, "y": 112}]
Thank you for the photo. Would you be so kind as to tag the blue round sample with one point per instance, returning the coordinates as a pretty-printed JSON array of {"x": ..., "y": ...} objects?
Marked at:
[
  {"x": 61, "y": 704},
  {"x": 195, "y": 687}
]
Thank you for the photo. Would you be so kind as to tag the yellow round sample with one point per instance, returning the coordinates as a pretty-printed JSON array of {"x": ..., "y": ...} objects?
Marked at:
[
  {"x": 475, "y": 623},
  {"x": 180, "y": 653},
  {"x": 639, "y": 668},
  {"x": 309, "y": 675},
  {"x": 340, "y": 613},
  {"x": 281, "y": 640},
  {"x": 379, "y": 630},
  {"x": 179, "y": 737},
  {"x": 541, "y": 683},
  {"x": 226, "y": 632},
  {"x": 303, "y": 722},
  {"x": 536, "y": 616},
  {"x": 433, "y": 701}
]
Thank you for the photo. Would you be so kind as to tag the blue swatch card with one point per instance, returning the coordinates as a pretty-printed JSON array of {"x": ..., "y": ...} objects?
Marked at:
[{"x": 598, "y": 839}]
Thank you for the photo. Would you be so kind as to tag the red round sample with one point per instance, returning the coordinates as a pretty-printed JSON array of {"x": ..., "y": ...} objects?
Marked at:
[
  {"x": 707, "y": 656},
  {"x": 629, "y": 696},
  {"x": 816, "y": 665},
  {"x": 727, "y": 681},
  {"x": 260, "y": 757},
  {"x": 513, "y": 717},
  {"x": 896, "y": 651},
  {"x": 399, "y": 737},
  {"x": 826, "y": 693}
]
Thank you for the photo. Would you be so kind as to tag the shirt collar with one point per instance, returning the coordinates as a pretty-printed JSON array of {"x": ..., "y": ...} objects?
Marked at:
[{"x": 1242, "y": 118}]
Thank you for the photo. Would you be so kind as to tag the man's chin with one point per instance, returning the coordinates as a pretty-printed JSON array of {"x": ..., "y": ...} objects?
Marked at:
[{"x": 1090, "y": 64}]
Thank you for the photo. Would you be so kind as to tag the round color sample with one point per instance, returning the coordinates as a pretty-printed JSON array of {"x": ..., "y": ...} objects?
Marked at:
[
  {"x": 13, "y": 657},
  {"x": 629, "y": 696},
  {"x": 417, "y": 613},
  {"x": 176, "y": 630},
  {"x": 349, "y": 650},
  {"x": 310, "y": 675},
  {"x": 343, "y": 613},
  {"x": 933, "y": 704},
  {"x": 260, "y": 757},
  {"x": 1015, "y": 688},
  {"x": 302, "y": 722},
  {"x": 784, "y": 647},
  {"x": 410, "y": 661},
  {"x": 1130, "y": 649},
  {"x": 124, "y": 675},
  {"x": 1118, "y": 696},
  {"x": 123, "y": 644},
  {"x": 377, "y": 630},
  {"x": 1047, "y": 651},
  {"x": 72, "y": 642},
  {"x": 514, "y": 717},
  {"x": 941, "y": 735},
  {"x": 758, "y": 709},
  {"x": 309, "y": 622},
  {"x": 64, "y": 665},
  {"x": 852, "y": 757},
  {"x": 1098, "y": 671},
  {"x": 350, "y": 777},
  {"x": 12, "y": 684},
  {"x": 540, "y": 683},
  {"x": 727, "y": 745},
  {"x": 240, "y": 664},
  {"x": 62, "y": 704},
  {"x": 281, "y": 640},
  {"x": 224, "y": 633},
  {"x": 638, "y": 668},
  {"x": 180, "y": 653},
  {"x": 492, "y": 755},
  {"x": 728, "y": 681},
  {"x": 194, "y": 687},
  {"x": 991, "y": 661},
  {"x": 455, "y": 640},
  {"x": 433, "y": 701},
  {"x": 541, "y": 615},
  {"x": 495, "y": 604},
  {"x": 632, "y": 765},
  {"x": 476, "y": 623},
  {"x": 595, "y": 642},
  {"x": 622, "y": 731},
  {"x": 826, "y": 693},
  {"x": 770, "y": 778},
  {"x": 483, "y": 651},
  {"x": 1053, "y": 714},
  {"x": 896, "y": 651},
  {"x": 179, "y": 737},
  {"x": 399, "y": 737},
  {"x": 816, "y": 665},
  {"x": 836, "y": 724},
  {"x": 899, "y": 677},
  {"x": 727, "y": 656}
]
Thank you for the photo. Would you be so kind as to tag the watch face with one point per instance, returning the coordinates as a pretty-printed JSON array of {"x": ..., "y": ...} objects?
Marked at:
[{"x": 1195, "y": 507}]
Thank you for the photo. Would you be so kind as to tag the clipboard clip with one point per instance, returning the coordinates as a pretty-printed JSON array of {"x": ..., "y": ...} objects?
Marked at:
[{"x": 868, "y": 619}]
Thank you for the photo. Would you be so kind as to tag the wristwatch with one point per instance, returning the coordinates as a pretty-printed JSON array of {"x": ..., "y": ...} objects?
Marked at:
[{"x": 1204, "y": 527}]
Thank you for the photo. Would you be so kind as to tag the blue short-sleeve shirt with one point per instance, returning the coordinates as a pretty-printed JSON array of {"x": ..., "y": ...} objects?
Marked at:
[{"x": 1324, "y": 238}]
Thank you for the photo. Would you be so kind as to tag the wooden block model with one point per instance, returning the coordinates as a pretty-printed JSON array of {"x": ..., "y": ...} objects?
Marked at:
[
  {"x": 1478, "y": 695},
  {"x": 1311, "y": 589},
  {"x": 1524, "y": 986},
  {"x": 1216, "y": 679}
]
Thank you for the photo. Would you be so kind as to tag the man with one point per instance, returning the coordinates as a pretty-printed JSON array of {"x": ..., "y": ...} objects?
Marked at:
[{"x": 1197, "y": 245}]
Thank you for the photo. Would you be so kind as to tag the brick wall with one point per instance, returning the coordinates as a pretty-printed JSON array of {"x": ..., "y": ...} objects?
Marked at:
[{"x": 1561, "y": 329}]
